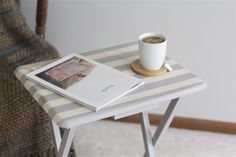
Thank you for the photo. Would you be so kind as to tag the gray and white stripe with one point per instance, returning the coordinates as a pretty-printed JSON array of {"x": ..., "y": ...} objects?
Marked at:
[{"x": 60, "y": 109}]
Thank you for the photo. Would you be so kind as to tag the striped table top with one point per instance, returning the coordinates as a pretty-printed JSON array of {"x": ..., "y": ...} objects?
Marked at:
[{"x": 68, "y": 114}]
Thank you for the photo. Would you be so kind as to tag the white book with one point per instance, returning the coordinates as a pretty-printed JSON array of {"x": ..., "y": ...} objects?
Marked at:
[{"x": 85, "y": 81}]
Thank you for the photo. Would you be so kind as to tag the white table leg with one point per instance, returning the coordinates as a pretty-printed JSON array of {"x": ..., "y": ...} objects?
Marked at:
[
  {"x": 147, "y": 135},
  {"x": 66, "y": 142},
  {"x": 57, "y": 135},
  {"x": 163, "y": 126},
  {"x": 165, "y": 122},
  {"x": 63, "y": 144}
]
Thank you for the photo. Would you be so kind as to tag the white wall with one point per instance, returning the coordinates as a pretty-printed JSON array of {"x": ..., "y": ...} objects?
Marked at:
[{"x": 201, "y": 36}]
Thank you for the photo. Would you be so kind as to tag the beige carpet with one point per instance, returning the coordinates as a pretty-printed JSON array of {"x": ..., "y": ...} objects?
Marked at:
[{"x": 116, "y": 139}]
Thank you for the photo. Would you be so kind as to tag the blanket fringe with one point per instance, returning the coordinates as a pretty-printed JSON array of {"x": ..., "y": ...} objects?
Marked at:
[
  {"x": 50, "y": 153},
  {"x": 47, "y": 153}
]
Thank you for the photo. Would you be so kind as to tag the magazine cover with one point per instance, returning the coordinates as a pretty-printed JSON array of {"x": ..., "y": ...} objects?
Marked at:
[{"x": 85, "y": 81}]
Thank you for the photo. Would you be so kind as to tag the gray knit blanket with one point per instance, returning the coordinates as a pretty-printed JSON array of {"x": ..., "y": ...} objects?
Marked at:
[{"x": 25, "y": 129}]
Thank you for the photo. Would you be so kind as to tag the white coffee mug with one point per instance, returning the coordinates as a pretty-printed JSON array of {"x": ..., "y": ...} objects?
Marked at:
[{"x": 152, "y": 54}]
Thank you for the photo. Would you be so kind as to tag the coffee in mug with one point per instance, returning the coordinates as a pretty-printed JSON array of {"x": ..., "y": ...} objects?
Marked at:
[
  {"x": 152, "y": 50},
  {"x": 153, "y": 39}
]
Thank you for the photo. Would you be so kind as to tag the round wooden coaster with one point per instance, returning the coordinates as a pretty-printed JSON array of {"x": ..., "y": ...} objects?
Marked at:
[{"x": 139, "y": 69}]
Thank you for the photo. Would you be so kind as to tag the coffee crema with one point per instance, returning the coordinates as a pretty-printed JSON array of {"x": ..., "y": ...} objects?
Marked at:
[{"x": 153, "y": 39}]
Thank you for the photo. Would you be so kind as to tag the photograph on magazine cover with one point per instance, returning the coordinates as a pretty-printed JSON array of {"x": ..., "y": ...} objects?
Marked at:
[{"x": 67, "y": 73}]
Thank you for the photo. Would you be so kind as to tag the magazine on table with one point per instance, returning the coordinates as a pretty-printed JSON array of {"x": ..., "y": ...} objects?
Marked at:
[{"x": 85, "y": 81}]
